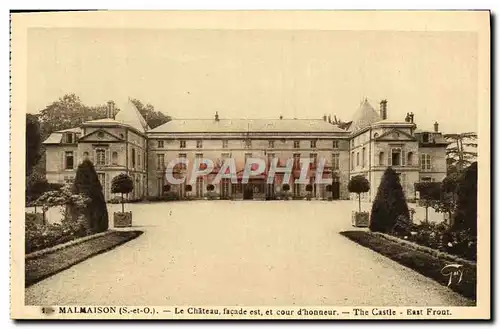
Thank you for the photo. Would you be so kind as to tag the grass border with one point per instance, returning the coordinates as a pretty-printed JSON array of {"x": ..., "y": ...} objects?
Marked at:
[
  {"x": 427, "y": 264},
  {"x": 39, "y": 268}
]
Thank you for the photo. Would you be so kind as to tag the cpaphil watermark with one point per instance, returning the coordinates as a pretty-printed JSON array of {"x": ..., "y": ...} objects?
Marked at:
[{"x": 306, "y": 168}]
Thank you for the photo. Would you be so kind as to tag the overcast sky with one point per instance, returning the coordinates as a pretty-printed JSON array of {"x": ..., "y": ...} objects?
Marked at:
[{"x": 261, "y": 74}]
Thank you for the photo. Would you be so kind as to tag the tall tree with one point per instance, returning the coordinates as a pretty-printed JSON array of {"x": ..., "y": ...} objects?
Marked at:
[
  {"x": 462, "y": 150},
  {"x": 87, "y": 183},
  {"x": 466, "y": 211},
  {"x": 68, "y": 112},
  {"x": 389, "y": 210},
  {"x": 33, "y": 142},
  {"x": 153, "y": 118}
]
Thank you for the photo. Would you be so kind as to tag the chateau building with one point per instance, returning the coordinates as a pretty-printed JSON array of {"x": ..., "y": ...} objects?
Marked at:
[{"x": 365, "y": 146}]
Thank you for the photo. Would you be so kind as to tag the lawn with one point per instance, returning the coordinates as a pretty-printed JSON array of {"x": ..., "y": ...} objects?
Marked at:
[{"x": 39, "y": 268}]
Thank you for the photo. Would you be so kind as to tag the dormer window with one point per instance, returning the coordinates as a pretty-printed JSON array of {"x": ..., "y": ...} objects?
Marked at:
[
  {"x": 69, "y": 138},
  {"x": 425, "y": 137}
]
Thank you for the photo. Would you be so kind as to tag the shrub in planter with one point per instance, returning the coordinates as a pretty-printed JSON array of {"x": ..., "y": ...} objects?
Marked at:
[
  {"x": 309, "y": 189},
  {"x": 285, "y": 188},
  {"x": 122, "y": 184},
  {"x": 329, "y": 192},
  {"x": 170, "y": 196},
  {"x": 389, "y": 210},
  {"x": 211, "y": 195},
  {"x": 122, "y": 219},
  {"x": 359, "y": 184}
]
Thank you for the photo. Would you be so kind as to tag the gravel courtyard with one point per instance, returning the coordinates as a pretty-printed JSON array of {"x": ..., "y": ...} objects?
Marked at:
[{"x": 241, "y": 253}]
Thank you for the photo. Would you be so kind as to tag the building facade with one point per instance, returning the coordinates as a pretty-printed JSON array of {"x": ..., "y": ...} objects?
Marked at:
[{"x": 366, "y": 146}]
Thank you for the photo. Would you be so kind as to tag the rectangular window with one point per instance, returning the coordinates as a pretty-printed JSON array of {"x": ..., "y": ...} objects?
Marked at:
[
  {"x": 314, "y": 159},
  {"x": 335, "y": 144},
  {"x": 313, "y": 144},
  {"x": 335, "y": 161},
  {"x": 69, "y": 160},
  {"x": 224, "y": 143},
  {"x": 133, "y": 158},
  {"x": 296, "y": 160},
  {"x": 352, "y": 160},
  {"x": 182, "y": 156},
  {"x": 296, "y": 144},
  {"x": 100, "y": 157},
  {"x": 357, "y": 159},
  {"x": 270, "y": 157},
  {"x": 199, "y": 144},
  {"x": 139, "y": 160},
  {"x": 425, "y": 137},
  {"x": 425, "y": 161},
  {"x": 363, "y": 157},
  {"x": 271, "y": 144},
  {"x": 160, "y": 163},
  {"x": 182, "y": 144},
  {"x": 69, "y": 138},
  {"x": 160, "y": 144},
  {"x": 395, "y": 157}
]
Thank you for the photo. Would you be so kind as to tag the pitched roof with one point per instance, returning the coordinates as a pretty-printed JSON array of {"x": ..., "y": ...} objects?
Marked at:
[
  {"x": 130, "y": 115},
  {"x": 364, "y": 116},
  {"x": 246, "y": 125},
  {"x": 54, "y": 138}
]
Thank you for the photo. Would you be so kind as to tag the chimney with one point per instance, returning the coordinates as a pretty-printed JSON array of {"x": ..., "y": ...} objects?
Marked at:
[
  {"x": 324, "y": 117},
  {"x": 411, "y": 117},
  {"x": 436, "y": 127},
  {"x": 329, "y": 118},
  {"x": 110, "y": 110},
  {"x": 383, "y": 109},
  {"x": 216, "y": 116},
  {"x": 281, "y": 117}
]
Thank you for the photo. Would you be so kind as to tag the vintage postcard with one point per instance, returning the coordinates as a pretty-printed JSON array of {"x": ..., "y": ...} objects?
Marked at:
[{"x": 250, "y": 165}]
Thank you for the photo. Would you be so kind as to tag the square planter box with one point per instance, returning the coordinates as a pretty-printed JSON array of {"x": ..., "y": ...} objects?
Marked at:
[
  {"x": 360, "y": 219},
  {"x": 122, "y": 219}
]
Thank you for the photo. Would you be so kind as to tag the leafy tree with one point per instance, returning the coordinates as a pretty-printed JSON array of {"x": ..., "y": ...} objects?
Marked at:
[
  {"x": 389, "y": 210},
  {"x": 461, "y": 152},
  {"x": 358, "y": 184},
  {"x": 69, "y": 112},
  {"x": 33, "y": 142},
  {"x": 153, "y": 118},
  {"x": 466, "y": 212},
  {"x": 87, "y": 183},
  {"x": 430, "y": 194},
  {"x": 286, "y": 187},
  {"x": 309, "y": 188},
  {"x": 122, "y": 184}
]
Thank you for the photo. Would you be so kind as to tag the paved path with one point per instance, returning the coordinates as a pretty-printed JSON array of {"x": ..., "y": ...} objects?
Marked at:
[{"x": 241, "y": 253}]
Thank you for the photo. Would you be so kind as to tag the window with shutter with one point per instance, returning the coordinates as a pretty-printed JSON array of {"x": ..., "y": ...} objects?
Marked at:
[{"x": 403, "y": 159}]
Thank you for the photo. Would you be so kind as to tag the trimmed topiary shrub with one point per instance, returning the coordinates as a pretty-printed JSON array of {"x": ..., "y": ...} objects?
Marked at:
[
  {"x": 122, "y": 184},
  {"x": 389, "y": 210},
  {"x": 87, "y": 183}
]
